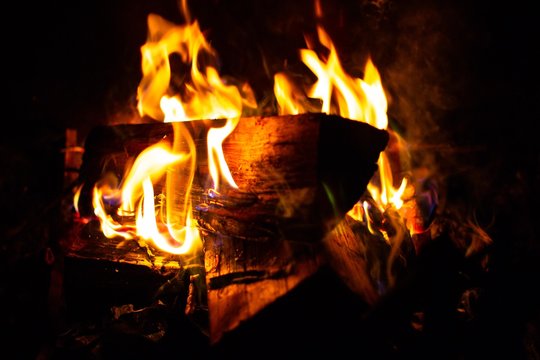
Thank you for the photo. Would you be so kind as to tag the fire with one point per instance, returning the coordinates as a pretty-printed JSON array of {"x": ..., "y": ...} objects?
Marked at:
[
  {"x": 284, "y": 92},
  {"x": 130, "y": 211},
  {"x": 205, "y": 96},
  {"x": 352, "y": 98}
]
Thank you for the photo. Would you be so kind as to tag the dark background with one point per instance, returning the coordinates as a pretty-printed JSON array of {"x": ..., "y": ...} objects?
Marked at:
[{"x": 462, "y": 78}]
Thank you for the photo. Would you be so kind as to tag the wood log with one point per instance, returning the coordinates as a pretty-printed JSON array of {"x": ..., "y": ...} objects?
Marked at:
[
  {"x": 347, "y": 253},
  {"x": 297, "y": 177},
  {"x": 367, "y": 263}
]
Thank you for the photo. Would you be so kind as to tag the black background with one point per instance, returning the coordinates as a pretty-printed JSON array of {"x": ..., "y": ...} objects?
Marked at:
[{"x": 462, "y": 79}]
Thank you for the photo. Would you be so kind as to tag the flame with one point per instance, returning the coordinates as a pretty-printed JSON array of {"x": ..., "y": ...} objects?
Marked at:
[
  {"x": 216, "y": 159},
  {"x": 353, "y": 98},
  {"x": 109, "y": 226},
  {"x": 286, "y": 96},
  {"x": 77, "y": 195},
  {"x": 205, "y": 96},
  {"x": 200, "y": 94},
  {"x": 147, "y": 208},
  {"x": 137, "y": 200}
]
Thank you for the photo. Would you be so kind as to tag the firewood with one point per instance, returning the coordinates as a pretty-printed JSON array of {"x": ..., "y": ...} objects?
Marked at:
[
  {"x": 348, "y": 255},
  {"x": 297, "y": 177}
]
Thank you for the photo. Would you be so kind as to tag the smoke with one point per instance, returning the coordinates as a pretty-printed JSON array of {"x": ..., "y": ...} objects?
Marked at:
[{"x": 426, "y": 53}]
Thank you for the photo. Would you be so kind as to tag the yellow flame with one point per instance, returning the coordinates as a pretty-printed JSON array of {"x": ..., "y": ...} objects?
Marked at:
[
  {"x": 148, "y": 228},
  {"x": 152, "y": 162},
  {"x": 76, "y": 197},
  {"x": 178, "y": 186},
  {"x": 365, "y": 207},
  {"x": 385, "y": 194},
  {"x": 286, "y": 95},
  {"x": 137, "y": 202},
  {"x": 206, "y": 96},
  {"x": 109, "y": 226},
  {"x": 201, "y": 94},
  {"x": 352, "y": 98},
  {"x": 216, "y": 159}
]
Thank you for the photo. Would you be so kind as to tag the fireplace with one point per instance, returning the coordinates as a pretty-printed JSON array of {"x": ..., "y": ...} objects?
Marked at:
[{"x": 456, "y": 80}]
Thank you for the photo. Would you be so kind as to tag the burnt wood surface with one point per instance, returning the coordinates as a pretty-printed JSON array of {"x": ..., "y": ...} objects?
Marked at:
[
  {"x": 286, "y": 168},
  {"x": 297, "y": 176}
]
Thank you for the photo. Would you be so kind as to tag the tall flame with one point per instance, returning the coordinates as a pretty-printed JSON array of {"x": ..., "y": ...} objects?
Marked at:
[
  {"x": 202, "y": 94},
  {"x": 285, "y": 93},
  {"x": 361, "y": 100},
  {"x": 205, "y": 96},
  {"x": 353, "y": 98}
]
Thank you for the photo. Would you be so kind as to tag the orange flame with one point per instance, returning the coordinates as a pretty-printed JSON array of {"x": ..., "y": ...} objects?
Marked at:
[
  {"x": 77, "y": 194},
  {"x": 206, "y": 96},
  {"x": 286, "y": 96},
  {"x": 352, "y": 98},
  {"x": 203, "y": 94},
  {"x": 137, "y": 201}
]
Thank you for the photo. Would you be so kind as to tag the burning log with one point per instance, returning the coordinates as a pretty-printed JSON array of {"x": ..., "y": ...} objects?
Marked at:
[{"x": 297, "y": 177}]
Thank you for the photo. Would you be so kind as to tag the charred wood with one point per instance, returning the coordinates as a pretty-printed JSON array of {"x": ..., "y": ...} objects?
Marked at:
[{"x": 297, "y": 177}]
